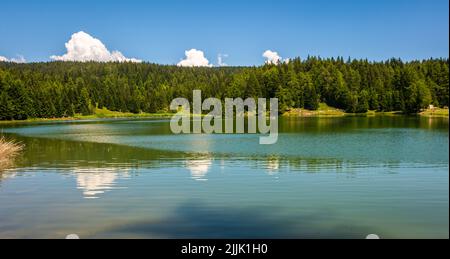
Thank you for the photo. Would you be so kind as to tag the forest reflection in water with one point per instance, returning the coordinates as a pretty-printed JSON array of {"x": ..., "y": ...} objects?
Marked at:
[{"x": 328, "y": 177}]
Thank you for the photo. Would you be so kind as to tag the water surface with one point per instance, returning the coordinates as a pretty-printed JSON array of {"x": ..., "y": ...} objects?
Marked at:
[{"x": 325, "y": 178}]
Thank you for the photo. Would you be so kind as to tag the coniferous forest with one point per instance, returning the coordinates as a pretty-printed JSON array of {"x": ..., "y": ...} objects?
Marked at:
[{"x": 63, "y": 89}]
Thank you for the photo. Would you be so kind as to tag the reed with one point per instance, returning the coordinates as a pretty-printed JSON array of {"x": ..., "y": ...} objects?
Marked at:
[{"x": 9, "y": 150}]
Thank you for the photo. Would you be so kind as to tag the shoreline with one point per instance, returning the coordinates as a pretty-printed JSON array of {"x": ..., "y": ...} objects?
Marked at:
[
  {"x": 327, "y": 112},
  {"x": 302, "y": 113},
  {"x": 82, "y": 118},
  {"x": 316, "y": 115},
  {"x": 98, "y": 114}
]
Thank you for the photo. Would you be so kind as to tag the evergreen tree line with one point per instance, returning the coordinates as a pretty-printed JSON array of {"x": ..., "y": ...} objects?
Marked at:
[{"x": 63, "y": 89}]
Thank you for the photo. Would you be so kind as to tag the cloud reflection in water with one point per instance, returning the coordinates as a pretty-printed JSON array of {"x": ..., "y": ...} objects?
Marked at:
[
  {"x": 96, "y": 181},
  {"x": 199, "y": 168}
]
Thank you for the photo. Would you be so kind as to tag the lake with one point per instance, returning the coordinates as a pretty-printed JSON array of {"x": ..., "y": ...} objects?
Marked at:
[{"x": 325, "y": 178}]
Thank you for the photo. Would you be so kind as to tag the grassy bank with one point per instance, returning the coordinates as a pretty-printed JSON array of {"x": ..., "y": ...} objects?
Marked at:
[
  {"x": 98, "y": 114},
  {"x": 327, "y": 111},
  {"x": 105, "y": 113},
  {"x": 323, "y": 111},
  {"x": 435, "y": 112},
  {"x": 8, "y": 152}
]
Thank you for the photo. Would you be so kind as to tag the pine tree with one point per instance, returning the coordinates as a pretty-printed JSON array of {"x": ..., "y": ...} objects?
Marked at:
[{"x": 85, "y": 105}]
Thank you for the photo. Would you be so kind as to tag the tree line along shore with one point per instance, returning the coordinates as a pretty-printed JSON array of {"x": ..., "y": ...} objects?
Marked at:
[{"x": 307, "y": 87}]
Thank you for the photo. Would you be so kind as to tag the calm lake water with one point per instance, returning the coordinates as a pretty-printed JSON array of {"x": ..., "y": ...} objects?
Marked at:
[{"x": 325, "y": 178}]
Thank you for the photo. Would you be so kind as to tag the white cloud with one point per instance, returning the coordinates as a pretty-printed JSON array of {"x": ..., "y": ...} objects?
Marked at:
[
  {"x": 272, "y": 57},
  {"x": 220, "y": 58},
  {"x": 19, "y": 59},
  {"x": 83, "y": 47},
  {"x": 194, "y": 58}
]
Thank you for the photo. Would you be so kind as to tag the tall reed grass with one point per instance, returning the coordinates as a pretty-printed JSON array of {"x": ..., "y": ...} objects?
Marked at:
[{"x": 9, "y": 150}]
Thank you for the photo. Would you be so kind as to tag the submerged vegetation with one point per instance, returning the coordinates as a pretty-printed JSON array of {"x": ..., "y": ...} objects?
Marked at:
[
  {"x": 8, "y": 152},
  {"x": 93, "y": 90}
]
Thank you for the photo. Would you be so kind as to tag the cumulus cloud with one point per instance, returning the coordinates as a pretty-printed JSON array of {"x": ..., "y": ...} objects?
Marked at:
[
  {"x": 194, "y": 58},
  {"x": 220, "y": 58},
  {"x": 83, "y": 47},
  {"x": 272, "y": 57},
  {"x": 19, "y": 59}
]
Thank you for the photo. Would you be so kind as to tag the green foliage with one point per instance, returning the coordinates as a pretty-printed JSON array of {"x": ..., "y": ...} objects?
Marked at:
[
  {"x": 85, "y": 104},
  {"x": 65, "y": 89},
  {"x": 419, "y": 96}
]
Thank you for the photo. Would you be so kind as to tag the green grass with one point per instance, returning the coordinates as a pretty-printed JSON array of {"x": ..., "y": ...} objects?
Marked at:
[
  {"x": 327, "y": 111},
  {"x": 98, "y": 114},
  {"x": 436, "y": 112},
  {"x": 323, "y": 111},
  {"x": 34, "y": 120},
  {"x": 105, "y": 113}
]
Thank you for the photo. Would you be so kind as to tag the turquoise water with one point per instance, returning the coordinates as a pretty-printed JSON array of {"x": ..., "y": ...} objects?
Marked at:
[{"x": 325, "y": 178}]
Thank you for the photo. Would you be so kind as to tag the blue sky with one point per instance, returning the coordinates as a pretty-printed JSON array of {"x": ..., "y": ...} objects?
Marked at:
[{"x": 161, "y": 31}]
